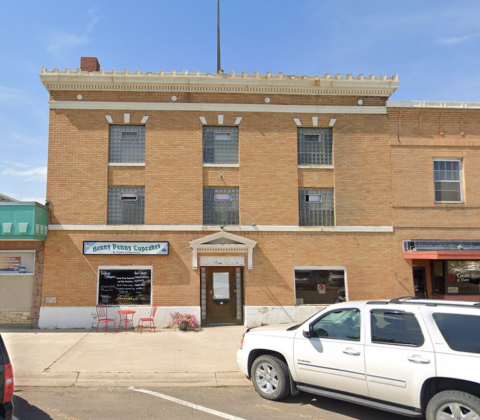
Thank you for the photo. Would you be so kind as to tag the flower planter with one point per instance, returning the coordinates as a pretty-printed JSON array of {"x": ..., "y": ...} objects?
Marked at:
[{"x": 183, "y": 326}]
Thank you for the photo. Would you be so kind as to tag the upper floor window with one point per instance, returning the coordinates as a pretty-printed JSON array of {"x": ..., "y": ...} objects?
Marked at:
[
  {"x": 220, "y": 145},
  {"x": 220, "y": 206},
  {"x": 127, "y": 144},
  {"x": 126, "y": 206},
  {"x": 316, "y": 208},
  {"x": 447, "y": 175},
  {"x": 314, "y": 146}
]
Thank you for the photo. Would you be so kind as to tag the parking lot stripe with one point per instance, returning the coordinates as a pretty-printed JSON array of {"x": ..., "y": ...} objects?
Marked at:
[{"x": 187, "y": 404}]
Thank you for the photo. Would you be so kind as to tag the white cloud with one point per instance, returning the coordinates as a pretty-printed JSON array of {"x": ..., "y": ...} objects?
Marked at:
[
  {"x": 61, "y": 42},
  {"x": 38, "y": 174},
  {"x": 458, "y": 39}
]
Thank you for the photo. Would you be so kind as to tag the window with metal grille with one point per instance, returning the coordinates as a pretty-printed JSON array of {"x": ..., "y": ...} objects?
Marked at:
[
  {"x": 314, "y": 146},
  {"x": 316, "y": 208},
  {"x": 220, "y": 144},
  {"x": 220, "y": 206},
  {"x": 447, "y": 175},
  {"x": 127, "y": 144},
  {"x": 126, "y": 206}
]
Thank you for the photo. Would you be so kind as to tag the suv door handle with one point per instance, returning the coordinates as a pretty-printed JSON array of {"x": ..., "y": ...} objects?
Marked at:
[
  {"x": 418, "y": 359},
  {"x": 351, "y": 352}
]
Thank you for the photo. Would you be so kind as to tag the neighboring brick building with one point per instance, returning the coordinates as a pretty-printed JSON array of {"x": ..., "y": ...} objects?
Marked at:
[
  {"x": 248, "y": 198},
  {"x": 23, "y": 230}
]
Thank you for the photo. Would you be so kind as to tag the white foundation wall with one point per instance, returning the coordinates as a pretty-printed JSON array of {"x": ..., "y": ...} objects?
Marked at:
[
  {"x": 256, "y": 316},
  {"x": 86, "y": 316}
]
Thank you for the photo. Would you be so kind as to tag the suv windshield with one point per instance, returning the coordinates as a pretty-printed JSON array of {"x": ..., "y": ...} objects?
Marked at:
[{"x": 460, "y": 331}]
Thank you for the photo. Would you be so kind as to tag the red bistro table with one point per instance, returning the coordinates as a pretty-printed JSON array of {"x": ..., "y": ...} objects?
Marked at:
[{"x": 127, "y": 319}]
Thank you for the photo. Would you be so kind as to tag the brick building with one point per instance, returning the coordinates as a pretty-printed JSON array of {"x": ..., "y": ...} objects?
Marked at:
[{"x": 253, "y": 198}]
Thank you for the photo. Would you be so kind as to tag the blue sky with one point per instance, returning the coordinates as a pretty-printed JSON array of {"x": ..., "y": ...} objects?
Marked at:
[{"x": 433, "y": 46}]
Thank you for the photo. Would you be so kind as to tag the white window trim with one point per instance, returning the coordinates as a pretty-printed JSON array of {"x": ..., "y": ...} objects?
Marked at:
[
  {"x": 221, "y": 165},
  {"x": 325, "y": 268},
  {"x": 125, "y": 267},
  {"x": 462, "y": 201},
  {"x": 315, "y": 167},
  {"x": 126, "y": 164}
]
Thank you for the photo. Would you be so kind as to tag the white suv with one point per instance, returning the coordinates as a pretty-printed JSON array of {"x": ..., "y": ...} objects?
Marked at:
[{"x": 407, "y": 356}]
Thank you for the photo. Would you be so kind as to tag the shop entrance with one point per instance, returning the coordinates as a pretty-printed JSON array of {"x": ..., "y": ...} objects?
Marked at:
[
  {"x": 419, "y": 282},
  {"x": 221, "y": 296}
]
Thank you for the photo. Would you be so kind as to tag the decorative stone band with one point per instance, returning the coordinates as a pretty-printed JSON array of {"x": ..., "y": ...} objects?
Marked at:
[
  {"x": 217, "y": 107},
  {"x": 212, "y": 229}
]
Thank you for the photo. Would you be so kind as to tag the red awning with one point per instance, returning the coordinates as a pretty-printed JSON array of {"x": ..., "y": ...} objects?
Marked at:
[{"x": 442, "y": 255}]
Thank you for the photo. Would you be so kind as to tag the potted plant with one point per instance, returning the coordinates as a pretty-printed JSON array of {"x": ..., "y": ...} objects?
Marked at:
[{"x": 184, "y": 321}]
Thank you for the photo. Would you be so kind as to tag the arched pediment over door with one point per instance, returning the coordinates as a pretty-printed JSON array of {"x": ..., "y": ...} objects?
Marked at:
[{"x": 221, "y": 243}]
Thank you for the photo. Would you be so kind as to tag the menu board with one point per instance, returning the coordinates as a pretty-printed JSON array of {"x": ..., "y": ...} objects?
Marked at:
[{"x": 125, "y": 286}]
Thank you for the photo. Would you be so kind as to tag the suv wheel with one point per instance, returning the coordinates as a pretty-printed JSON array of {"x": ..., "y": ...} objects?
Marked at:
[
  {"x": 455, "y": 405},
  {"x": 270, "y": 377}
]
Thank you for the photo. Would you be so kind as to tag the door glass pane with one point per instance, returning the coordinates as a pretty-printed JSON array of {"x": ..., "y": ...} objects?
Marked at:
[{"x": 221, "y": 286}]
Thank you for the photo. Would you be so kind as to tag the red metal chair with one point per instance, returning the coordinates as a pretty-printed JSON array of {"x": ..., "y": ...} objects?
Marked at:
[
  {"x": 151, "y": 320},
  {"x": 102, "y": 317}
]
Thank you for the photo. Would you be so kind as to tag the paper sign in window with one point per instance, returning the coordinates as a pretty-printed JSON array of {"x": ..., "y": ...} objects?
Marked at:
[{"x": 221, "y": 286}]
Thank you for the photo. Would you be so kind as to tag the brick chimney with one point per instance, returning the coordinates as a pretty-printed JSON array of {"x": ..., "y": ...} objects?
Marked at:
[{"x": 89, "y": 64}]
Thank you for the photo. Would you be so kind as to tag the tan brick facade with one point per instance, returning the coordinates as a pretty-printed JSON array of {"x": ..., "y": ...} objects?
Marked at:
[{"x": 381, "y": 175}]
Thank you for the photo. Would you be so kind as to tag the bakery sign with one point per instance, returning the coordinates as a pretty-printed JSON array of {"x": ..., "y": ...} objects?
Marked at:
[{"x": 126, "y": 248}]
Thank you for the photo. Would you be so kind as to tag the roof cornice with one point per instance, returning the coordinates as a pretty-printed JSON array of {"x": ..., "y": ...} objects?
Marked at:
[
  {"x": 218, "y": 83},
  {"x": 433, "y": 104}
]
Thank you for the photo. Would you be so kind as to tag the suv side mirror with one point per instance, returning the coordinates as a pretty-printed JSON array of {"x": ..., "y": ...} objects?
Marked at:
[{"x": 309, "y": 333}]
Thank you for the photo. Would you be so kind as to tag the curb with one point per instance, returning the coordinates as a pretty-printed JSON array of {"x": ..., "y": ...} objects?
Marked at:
[{"x": 127, "y": 379}]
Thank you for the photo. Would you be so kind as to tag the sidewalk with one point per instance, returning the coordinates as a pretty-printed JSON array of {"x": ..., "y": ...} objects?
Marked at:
[{"x": 168, "y": 357}]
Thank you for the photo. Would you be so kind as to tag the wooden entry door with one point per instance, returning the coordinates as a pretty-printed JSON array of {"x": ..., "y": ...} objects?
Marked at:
[{"x": 221, "y": 295}]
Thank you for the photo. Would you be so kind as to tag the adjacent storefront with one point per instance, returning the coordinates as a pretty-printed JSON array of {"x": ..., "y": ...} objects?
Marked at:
[{"x": 445, "y": 269}]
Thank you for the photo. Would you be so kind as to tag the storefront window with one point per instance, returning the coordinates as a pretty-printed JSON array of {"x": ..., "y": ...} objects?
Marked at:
[
  {"x": 17, "y": 262},
  {"x": 125, "y": 286},
  {"x": 318, "y": 287},
  {"x": 463, "y": 277}
]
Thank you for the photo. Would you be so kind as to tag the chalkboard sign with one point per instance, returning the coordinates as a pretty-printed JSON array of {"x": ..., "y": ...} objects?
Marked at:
[{"x": 125, "y": 286}]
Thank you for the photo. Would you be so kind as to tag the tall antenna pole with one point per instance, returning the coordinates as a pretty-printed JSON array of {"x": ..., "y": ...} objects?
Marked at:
[{"x": 218, "y": 37}]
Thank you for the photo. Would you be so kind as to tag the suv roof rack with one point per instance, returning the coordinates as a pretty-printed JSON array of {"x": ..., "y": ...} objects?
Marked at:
[
  {"x": 413, "y": 300},
  {"x": 402, "y": 299}
]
